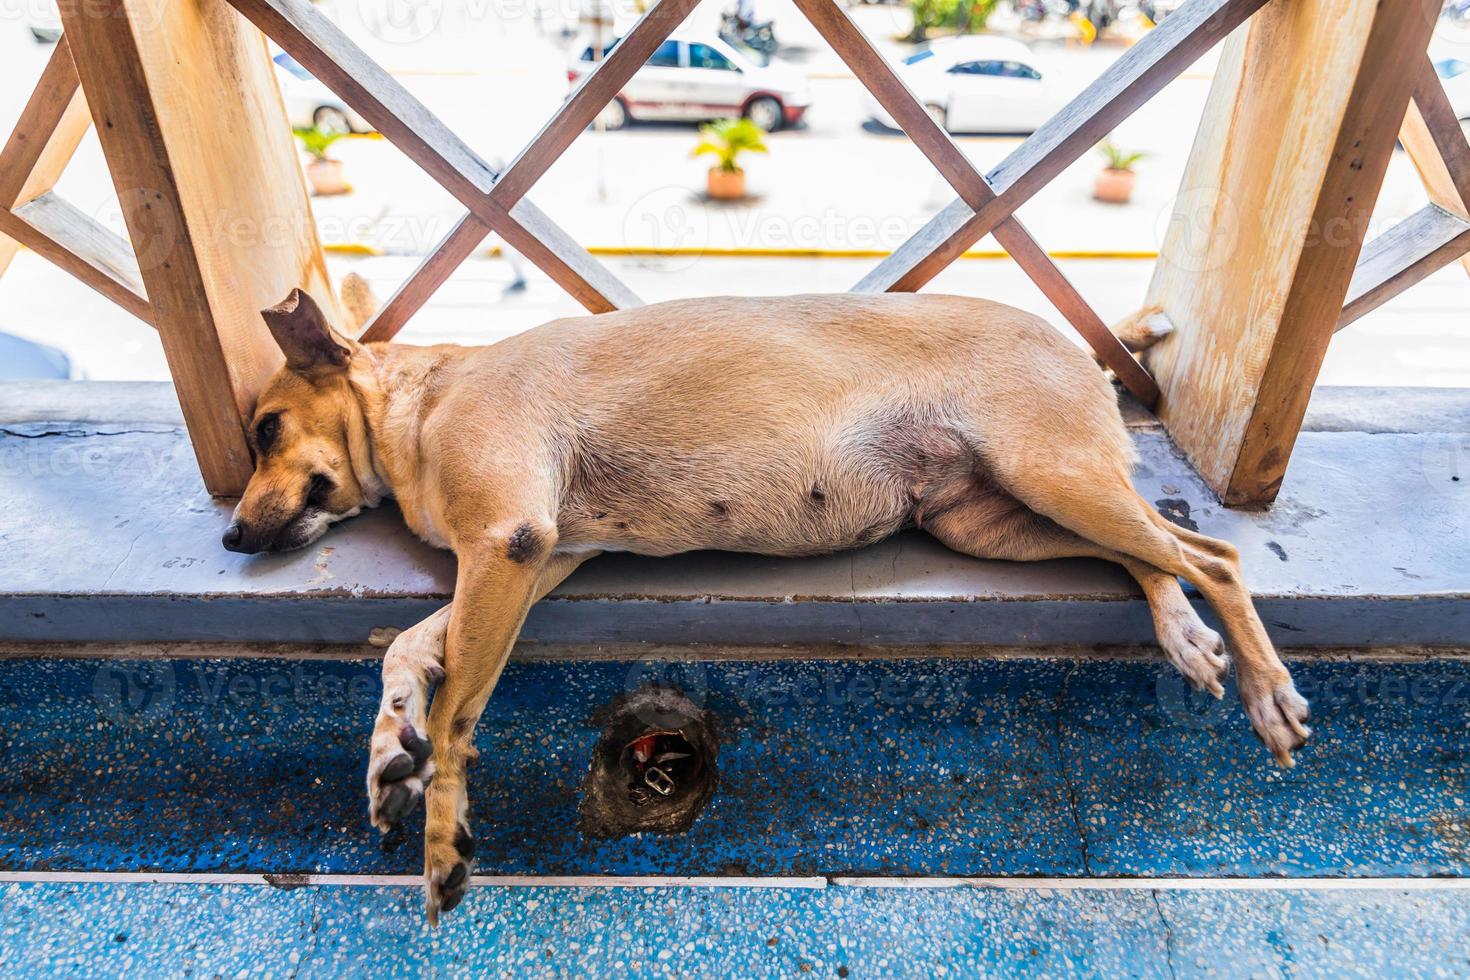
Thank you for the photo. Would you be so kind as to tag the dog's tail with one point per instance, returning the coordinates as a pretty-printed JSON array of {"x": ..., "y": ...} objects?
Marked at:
[
  {"x": 358, "y": 300},
  {"x": 1143, "y": 329}
]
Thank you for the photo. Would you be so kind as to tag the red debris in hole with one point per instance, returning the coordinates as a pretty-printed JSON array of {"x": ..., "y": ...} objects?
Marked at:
[{"x": 642, "y": 748}]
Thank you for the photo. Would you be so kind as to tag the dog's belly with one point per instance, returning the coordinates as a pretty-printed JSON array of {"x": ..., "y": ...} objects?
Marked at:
[
  {"x": 708, "y": 517},
  {"x": 850, "y": 488}
]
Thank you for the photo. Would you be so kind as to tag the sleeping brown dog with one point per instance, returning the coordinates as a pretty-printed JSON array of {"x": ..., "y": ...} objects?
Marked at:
[{"x": 794, "y": 425}]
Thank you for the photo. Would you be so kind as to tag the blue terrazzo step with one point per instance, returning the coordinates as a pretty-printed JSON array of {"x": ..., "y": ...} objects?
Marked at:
[
  {"x": 214, "y": 930},
  {"x": 828, "y": 768}
]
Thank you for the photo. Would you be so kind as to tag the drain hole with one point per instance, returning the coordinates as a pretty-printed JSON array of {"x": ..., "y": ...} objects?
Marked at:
[
  {"x": 657, "y": 763},
  {"x": 653, "y": 769}
]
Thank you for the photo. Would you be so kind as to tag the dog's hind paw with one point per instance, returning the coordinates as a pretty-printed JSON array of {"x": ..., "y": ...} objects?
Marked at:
[
  {"x": 447, "y": 873},
  {"x": 1198, "y": 653},
  {"x": 1279, "y": 715},
  {"x": 400, "y": 767}
]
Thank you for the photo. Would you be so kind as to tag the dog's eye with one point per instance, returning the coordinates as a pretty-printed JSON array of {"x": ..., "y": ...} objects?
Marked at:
[
  {"x": 266, "y": 431},
  {"x": 321, "y": 488}
]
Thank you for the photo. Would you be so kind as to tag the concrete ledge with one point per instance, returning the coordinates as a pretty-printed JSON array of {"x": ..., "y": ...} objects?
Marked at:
[
  {"x": 109, "y": 537},
  {"x": 692, "y": 653}
]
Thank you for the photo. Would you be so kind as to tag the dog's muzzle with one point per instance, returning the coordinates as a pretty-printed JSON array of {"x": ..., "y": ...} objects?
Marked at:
[
  {"x": 308, "y": 525},
  {"x": 237, "y": 538}
]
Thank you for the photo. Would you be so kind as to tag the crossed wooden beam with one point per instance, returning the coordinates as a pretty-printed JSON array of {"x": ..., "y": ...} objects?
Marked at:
[
  {"x": 51, "y": 125},
  {"x": 1437, "y": 234},
  {"x": 55, "y": 119}
]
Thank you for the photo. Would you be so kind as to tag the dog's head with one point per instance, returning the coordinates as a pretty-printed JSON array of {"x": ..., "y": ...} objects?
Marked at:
[{"x": 310, "y": 442}]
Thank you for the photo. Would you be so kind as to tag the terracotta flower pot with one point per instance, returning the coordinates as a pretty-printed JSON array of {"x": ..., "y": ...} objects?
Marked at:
[
  {"x": 1114, "y": 186},
  {"x": 326, "y": 178},
  {"x": 726, "y": 185}
]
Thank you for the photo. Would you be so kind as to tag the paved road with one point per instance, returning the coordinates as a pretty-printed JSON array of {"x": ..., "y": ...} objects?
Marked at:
[{"x": 494, "y": 72}]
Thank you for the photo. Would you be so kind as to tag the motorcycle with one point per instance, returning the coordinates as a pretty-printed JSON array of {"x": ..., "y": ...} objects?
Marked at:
[
  {"x": 1036, "y": 11},
  {"x": 760, "y": 36}
]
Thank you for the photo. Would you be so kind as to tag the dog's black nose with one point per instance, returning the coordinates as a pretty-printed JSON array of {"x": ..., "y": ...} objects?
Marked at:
[{"x": 234, "y": 537}]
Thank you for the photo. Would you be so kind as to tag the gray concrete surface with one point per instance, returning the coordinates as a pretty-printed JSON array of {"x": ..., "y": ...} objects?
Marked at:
[{"x": 108, "y": 536}]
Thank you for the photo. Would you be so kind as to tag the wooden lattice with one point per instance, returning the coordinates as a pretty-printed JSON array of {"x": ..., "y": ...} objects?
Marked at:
[
  {"x": 1439, "y": 233},
  {"x": 51, "y": 126},
  {"x": 55, "y": 119}
]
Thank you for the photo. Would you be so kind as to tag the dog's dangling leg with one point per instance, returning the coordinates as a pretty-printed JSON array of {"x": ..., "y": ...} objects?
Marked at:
[
  {"x": 1195, "y": 650},
  {"x": 400, "y": 763},
  {"x": 1112, "y": 514},
  {"x": 998, "y": 526},
  {"x": 489, "y": 605},
  {"x": 492, "y": 596}
]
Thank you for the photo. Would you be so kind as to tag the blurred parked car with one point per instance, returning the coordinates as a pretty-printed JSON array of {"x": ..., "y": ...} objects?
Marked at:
[
  {"x": 309, "y": 103},
  {"x": 976, "y": 84},
  {"x": 694, "y": 77},
  {"x": 1456, "y": 76},
  {"x": 44, "y": 21}
]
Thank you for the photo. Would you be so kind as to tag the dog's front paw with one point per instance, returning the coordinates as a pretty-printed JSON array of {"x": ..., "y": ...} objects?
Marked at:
[
  {"x": 400, "y": 768},
  {"x": 1198, "y": 653},
  {"x": 447, "y": 872},
  {"x": 1278, "y": 714}
]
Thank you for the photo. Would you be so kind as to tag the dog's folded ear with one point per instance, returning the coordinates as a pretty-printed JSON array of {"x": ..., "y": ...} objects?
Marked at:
[{"x": 306, "y": 338}]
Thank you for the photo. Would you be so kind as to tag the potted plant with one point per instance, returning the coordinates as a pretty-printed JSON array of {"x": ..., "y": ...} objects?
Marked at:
[
  {"x": 324, "y": 172},
  {"x": 727, "y": 139},
  {"x": 1115, "y": 184}
]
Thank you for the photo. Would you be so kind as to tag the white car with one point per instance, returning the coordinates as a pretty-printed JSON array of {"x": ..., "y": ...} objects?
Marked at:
[
  {"x": 45, "y": 21},
  {"x": 976, "y": 84},
  {"x": 310, "y": 103},
  {"x": 696, "y": 77},
  {"x": 1455, "y": 74}
]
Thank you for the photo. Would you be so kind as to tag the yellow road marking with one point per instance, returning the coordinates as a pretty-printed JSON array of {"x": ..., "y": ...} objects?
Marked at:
[{"x": 639, "y": 251}]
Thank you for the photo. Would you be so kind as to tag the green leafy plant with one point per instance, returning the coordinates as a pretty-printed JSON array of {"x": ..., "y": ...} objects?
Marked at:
[
  {"x": 1119, "y": 159},
  {"x": 955, "y": 16},
  {"x": 726, "y": 139},
  {"x": 315, "y": 141}
]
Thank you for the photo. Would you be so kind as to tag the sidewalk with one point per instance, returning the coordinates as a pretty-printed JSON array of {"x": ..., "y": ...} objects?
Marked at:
[{"x": 1418, "y": 339}]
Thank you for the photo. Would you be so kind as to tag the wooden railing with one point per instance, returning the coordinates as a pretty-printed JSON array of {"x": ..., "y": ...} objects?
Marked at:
[{"x": 1235, "y": 377}]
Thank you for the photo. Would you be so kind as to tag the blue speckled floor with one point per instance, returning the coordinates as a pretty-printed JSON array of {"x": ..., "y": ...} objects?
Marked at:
[
  {"x": 183, "y": 930},
  {"x": 1009, "y": 768},
  {"x": 829, "y": 768}
]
